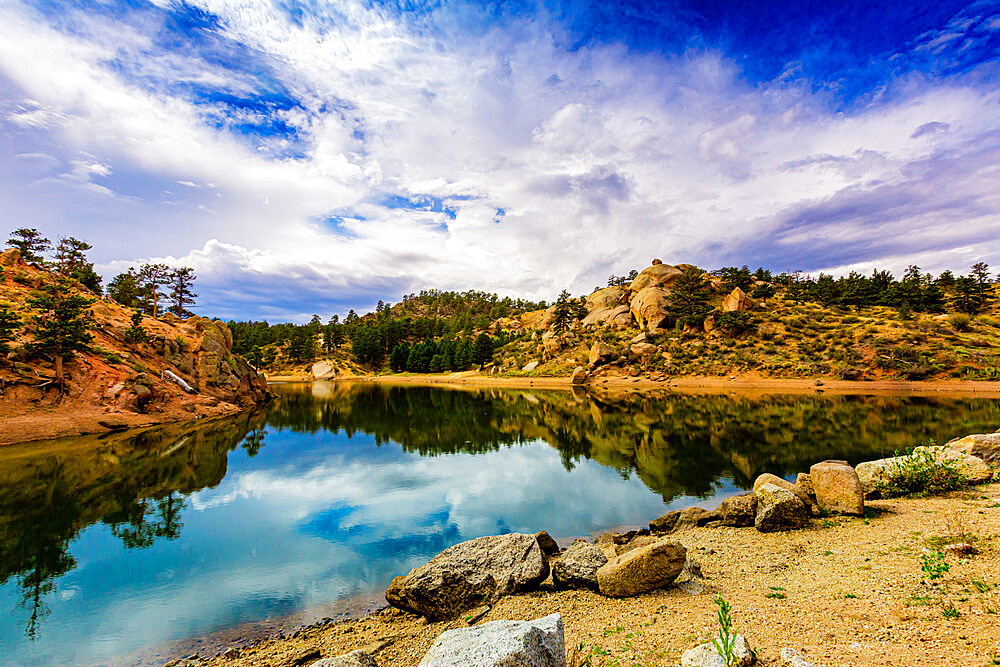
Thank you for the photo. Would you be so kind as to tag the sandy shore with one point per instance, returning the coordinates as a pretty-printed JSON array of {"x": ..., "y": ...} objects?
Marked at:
[
  {"x": 708, "y": 385},
  {"x": 24, "y": 423},
  {"x": 845, "y": 591}
]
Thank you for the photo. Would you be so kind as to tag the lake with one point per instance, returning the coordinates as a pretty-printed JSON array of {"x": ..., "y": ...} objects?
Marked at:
[{"x": 126, "y": 548}]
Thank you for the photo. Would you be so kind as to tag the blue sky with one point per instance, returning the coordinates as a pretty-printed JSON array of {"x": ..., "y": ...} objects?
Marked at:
[{"x": 308, "y": 156}]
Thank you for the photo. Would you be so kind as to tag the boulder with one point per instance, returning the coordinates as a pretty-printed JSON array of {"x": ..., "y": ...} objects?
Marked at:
[
  {"x": 579, "y": 375},
  {"x": 322, "y": 370},
  {"x": 704, "y": 655},
  {"x": 530, "y": 366},
  {"x": 546, "y": 543},
  {"x": 642, "y": 570},
  {"x": 737, "y": 301},
  {"x": 642, "y": 540},
  {"x": 601, "y": 353},
  {"x": 665, "y": 523},
  {"x": 738, "y": 510},
  {"x": 618, "y": 316},
  {"x": 768, "y": 478},
  {"x": 643, "y": 350},
  {"x": 694, "y": 517},
  {"x": 837, "y": 488},
  {"x": 609, "y": 297},
  {"x": 353, "y": 659},
  {"x": 985, "y": 446},
  {"x": 658, "y": 275},
  {"x": 804, "y": 482},
  {"x": 470, "y": 574},
  {"x": 649, "y": 307},
  {"x": 10, "y": 257},
  {"x": 974, "y": 470},
  {"x": 872, "y": 474},
  {"x": 577, "y": 566},
  {"x": 778, "y": 509},
  {"x": 538, "y": 643}
]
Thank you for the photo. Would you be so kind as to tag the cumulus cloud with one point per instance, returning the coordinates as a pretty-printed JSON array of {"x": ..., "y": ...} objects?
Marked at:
[{"x": 321, "y": 161}]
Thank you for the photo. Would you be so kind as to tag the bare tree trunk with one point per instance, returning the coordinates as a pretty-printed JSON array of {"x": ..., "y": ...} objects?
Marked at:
[{"x": 59, "y": 374}]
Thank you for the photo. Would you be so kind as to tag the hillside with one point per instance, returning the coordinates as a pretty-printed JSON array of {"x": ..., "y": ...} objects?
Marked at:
[
  {"x": 672, "y": 321},
  {"x": 113, "y": 384},
  {"x": 784, "y": 334}
]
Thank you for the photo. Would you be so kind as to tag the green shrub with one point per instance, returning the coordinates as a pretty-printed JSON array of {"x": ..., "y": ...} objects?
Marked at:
[
  {"x": 960, "y": 321},
  {"x": 921, "y": 473}
]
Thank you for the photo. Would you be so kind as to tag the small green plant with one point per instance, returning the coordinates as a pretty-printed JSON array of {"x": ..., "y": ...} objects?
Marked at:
[
  {"x": 135, "y": 333},
  {"x": 948, "y": 610},
  {"x": 933, "y": 565},
  {"x": 726, "y": 640},
  {"x": 777, "y": 595},
  {"x": 921, "y": 472},
  {"x": 181, "y": 342},
  {"x": 851, "y": 596},
  {"x": 980, "y": 586},
  {"x": 960, "y": 321}
]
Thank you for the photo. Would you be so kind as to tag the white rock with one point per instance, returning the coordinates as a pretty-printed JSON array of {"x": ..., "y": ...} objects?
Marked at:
[
  {"x": 538, "y": 643},
  {"x": 353, "y": 659},
  {"x": 792, "y": 658},
  {"x": 704, "y": 655}
]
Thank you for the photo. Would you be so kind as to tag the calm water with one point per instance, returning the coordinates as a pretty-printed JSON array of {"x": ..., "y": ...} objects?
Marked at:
[{"x": 110, "y": 546}]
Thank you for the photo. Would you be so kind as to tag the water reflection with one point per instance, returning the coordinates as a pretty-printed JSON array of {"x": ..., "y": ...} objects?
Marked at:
[
  {"x": 135, "y": 484},
  {"x": 109, "y": 545}
]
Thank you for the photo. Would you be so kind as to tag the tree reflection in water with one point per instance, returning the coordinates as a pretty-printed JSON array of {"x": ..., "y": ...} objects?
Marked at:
[
  {"x": 135, "y": 483},
  {"x": 676, "y": 444}
]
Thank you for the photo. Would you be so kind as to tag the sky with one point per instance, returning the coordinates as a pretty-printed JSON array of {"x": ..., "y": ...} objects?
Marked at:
[{"x": 308, "y": 157}]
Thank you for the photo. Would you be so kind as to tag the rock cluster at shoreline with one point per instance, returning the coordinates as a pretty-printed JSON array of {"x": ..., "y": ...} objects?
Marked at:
[{"x": 830, "y": 487}]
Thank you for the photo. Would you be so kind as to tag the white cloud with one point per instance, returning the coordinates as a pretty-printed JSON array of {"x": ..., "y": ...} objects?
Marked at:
[{"x": 600, "y": 158}]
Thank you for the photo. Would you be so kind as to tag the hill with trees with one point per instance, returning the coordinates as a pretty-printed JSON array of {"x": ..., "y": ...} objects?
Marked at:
[
  {"x": 73, "y": 360},
  {"x": 668, "y": 321}
]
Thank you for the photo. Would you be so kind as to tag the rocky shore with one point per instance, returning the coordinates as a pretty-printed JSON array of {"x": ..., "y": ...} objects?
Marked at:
[{"x": 828, "y": 575}]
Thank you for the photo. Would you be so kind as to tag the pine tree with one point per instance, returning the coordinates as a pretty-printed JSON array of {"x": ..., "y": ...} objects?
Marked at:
[
  {"x": 688, "y": 300},
  {"x": 127, "y": 289},
  {"x": 61, "y": 324},
  {"x": 30, "y": 243},
  {"x": 181, "y": 281},
  {"x": 136, "y": 333},
  {"x": 563, "y": 312},
  {"x": 71, "y": 255},
  {"x": 153, "y": 277},
  {"x": 10, "y": 325}
]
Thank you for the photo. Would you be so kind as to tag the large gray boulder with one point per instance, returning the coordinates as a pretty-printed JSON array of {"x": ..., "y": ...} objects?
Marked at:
[
  {"x": 704, "y": 655},
  {"x": 470, "y": 574},
  {"x": 838, "y": 488},
  {"x": 353, "y": 659},
  {"x": 577, "y": 566},
  {"x": 538, "y": 643},
  {"x": 983, "y": 445},
  {"x": 778, "y": 509},
  {"x": 642, "y": 570}
]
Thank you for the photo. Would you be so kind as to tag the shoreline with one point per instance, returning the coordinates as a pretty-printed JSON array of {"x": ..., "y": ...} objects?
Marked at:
[
  {"x": 69, "y": 421},
  {"x": 844, "y": 591},
  {"x": 47, "y": 424},
  {"x": 685, "y": 384}
]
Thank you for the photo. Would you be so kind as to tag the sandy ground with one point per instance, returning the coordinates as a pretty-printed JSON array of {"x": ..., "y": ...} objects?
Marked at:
[
  {"x": 845, "y": 591},
  {"x": 714, "y": 385},
  {"x": 43, "y": 423}
]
